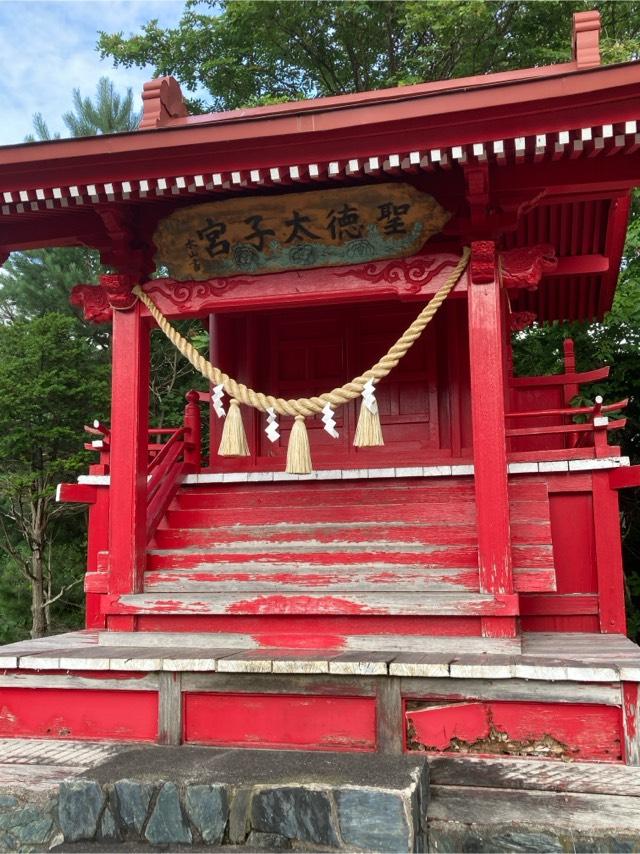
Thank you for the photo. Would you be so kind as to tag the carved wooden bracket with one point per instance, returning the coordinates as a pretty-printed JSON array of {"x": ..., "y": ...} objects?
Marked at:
[
  {"x": 162, "y": 100},
  {"x": 524, "y": 267},
  {"x": 521, "y": 319},
  {"x": 520, "y": 268},
  {"x": 127, "y": 251},
  {"x": 586, "y": 39},
  {"x": 99, "y": 301},
  {"x": 93, "y": 302},
  {"x": 483, "y": 262}
]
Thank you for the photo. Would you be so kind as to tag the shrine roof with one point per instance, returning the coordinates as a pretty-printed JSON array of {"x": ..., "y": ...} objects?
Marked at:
[{"x": 531, "y": 135}]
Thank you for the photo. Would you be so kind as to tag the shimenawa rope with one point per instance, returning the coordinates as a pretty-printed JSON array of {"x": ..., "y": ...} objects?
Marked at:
[
  {"x": 314, "y": 405},
  {"x": 303, "y": 407}
]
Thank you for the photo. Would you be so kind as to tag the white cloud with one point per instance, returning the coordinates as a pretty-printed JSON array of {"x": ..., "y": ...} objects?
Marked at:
[{"x": 48, "y": 48}]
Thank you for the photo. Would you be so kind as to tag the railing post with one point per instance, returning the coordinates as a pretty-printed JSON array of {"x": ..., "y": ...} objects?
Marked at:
[
  {"x": 129, "y": 457},
  {"x": 486, "y": 350},
  {"x": 193, "y": 432}
]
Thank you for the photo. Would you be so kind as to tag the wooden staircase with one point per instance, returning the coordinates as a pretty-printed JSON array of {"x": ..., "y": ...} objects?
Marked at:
[{"x": 373, "y": 547}]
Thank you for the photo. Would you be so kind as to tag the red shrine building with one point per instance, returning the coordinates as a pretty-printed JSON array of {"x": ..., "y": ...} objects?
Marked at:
[{"x": 452, "y": 581}]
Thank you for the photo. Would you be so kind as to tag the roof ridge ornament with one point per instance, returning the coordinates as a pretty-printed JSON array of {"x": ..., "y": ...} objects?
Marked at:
[
  {"x": 162, "y": 100},
  {"x": 586, "y": 39}
]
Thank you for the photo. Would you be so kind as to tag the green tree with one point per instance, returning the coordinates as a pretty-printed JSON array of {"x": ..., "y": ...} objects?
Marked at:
[
  {"x": 110, "y": 112},
  {"x": 250, "y": 52},
  {"x": 39, "y": 281},
  {"x": 51, "y": 378}
]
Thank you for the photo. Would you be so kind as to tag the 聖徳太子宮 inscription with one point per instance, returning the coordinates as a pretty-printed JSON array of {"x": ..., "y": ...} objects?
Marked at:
[{"x": 294, "y": 231}]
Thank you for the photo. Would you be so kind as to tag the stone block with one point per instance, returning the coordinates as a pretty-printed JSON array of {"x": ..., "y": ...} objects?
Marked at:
[
  {"x": 268, "y": 841},
  {"x": 375, "y": 820},
  {"x": 26, "y": 826},
  {"x": 108, "y": 831},
  {"x": 132, "y": 799},
  {"x": 80, "y": 803},
  {"x": 208, "y": 810},
  {"x": 239, "y": 818},
  {"x": 606, "y": 843},
  {"x": 167, "y": 825},
  {"x": 298, "y": 813}
]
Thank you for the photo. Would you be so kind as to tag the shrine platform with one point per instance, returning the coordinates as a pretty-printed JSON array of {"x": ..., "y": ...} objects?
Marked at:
[{"x": 571, "y": 697}]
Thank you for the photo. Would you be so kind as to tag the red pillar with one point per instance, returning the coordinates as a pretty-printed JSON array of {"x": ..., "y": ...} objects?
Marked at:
[
  {"x": 129, "y": 436},
  {"x": 486, "y": 350}
]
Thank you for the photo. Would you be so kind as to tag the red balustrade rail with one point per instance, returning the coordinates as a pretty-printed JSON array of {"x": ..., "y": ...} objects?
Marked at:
[
  {"x": 165, "y": 473},
  {"x": 590, "y": 432}
]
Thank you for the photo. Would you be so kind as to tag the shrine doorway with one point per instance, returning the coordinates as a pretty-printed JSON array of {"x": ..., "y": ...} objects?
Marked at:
[{"x": 424, "y": 403}]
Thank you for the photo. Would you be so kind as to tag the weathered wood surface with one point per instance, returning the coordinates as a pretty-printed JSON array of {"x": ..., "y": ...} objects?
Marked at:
[
  {"x": 510, "y": 689},
  {"x": 537, "y": 729},
  {"x": 630, "y": 723},
  {"x": 50, "y": 752},
  {"x": 389, "y": 717},
  {"x": 20, "y": 679},
  {"x": 513, "y": 773},
  {"x": 361, "y": 663},
  {"x": 169, "y": 708},
  {"x": 356, "y": 643},
  {"x": 335, "y": 549},
  {"x": 274, "y": 683},
  {"x": 392, "y": 603},
  {"x": 568, "y": 809},
  {"x": 585, "y": 658}
]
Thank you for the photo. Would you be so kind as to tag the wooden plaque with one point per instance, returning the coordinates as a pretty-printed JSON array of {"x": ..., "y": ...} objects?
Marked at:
[{"x": 295, "y": 231}]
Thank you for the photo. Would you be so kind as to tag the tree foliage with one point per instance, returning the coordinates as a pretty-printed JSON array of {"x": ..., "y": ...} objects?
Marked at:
[
  {"x": 244, "y": 52},
  {"x": 110, "y": 112},
  {"x": 54, "y": 377},
  {"x": 51, "y": 378}
]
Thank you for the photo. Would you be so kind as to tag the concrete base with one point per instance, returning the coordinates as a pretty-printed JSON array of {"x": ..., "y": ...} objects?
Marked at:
[{"x": 192, "y": 796}]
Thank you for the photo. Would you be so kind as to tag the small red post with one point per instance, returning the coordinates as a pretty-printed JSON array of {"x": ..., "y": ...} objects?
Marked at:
[
  {"x": 129, "y": 436},
  {"x": 97, "y": 541},
  {"x": 193, "y": 430},
  {"x": 486, "y": 350}
]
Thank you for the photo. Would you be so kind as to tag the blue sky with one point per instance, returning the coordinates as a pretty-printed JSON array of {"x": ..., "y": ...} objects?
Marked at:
[{"x": 48, "y": 48}]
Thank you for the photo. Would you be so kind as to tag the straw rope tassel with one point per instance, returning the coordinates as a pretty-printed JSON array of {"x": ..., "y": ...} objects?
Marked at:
[
  {"x": 368, "y": 431},
  {"x": 234, "y": 439},
  {"x": 298, "y": 450}
]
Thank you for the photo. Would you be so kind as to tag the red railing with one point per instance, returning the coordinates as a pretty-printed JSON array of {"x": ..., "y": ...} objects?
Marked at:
[
  {"x": 581, "y": 434},
  {"x": 165, "y": 473},
  {"x": 168, "y": 460},
  {"x": 546, "y": 401}
]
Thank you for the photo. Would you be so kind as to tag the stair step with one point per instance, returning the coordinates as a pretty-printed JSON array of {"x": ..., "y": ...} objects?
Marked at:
[
  {"x": 326, "y": 533},
  {"x": 521, "y": 511},
  {"x": 222, "y": 578},
  {"x": 463, "y": 556},
  {"x": 314, "y": 493},
  {"x": 432, "y": 485},
  {"x": 356, "y": 604},
  {"x": 356, "y": 554},
  {"x": 293, "y": 578}
]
